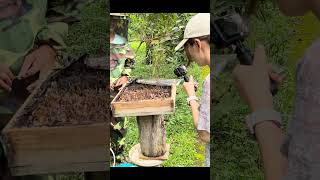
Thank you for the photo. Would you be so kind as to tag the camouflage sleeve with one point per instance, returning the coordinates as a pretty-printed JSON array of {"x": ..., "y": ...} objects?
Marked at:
[
  {"x": 67, "y": 9},
  {"x": 116, "y": 73},
  {"x": 129, "y": 56},
  {"x": 53, "y": 35},
  {"x": 60, "y": 14},
  {"x": 126, "y": 71},
  {"x": 119, "y": 54}
]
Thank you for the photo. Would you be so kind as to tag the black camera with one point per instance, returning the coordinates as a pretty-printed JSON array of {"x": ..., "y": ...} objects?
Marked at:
[
  {"x": 181, "y": 71},
  {"x": 229, "y": 32}
]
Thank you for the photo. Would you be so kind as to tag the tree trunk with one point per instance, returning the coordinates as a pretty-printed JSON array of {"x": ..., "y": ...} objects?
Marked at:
[
  {"x": 149, "y": 53},
  {"x": 152, "y": 135}
]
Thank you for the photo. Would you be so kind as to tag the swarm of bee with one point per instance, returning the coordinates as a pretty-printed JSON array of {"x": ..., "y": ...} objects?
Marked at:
[
  {"x": 78, "y": 100},
  {"x": 77, "y": 108},
  {"x": 137, "y": 92}
]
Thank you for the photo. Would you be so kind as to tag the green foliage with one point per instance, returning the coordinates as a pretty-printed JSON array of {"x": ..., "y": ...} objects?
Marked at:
[
  {"x": 234, "y": 154},
  {"x": 185, "y": 150},
  {"x": 91, "y": 33},
  {"x": 160, "y": 33}
]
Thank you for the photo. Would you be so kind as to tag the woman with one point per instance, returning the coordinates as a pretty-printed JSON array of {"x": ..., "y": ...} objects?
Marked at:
[
  {"x": 196, "y": 44},
  {"x": 299, "y": 158}
]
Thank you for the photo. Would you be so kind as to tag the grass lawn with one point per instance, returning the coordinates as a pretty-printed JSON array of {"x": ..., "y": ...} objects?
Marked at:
[
  {"x": 235, "y": 156},
  {"x": 185, "y": 149},
  {"x": 91, "y": 33}
]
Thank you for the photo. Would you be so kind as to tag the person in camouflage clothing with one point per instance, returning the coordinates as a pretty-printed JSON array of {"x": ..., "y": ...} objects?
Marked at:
[
  {"x": 32, "y": 40},
  {"x": 31, "y": 33},
  {"x": 121, "y": 63}
]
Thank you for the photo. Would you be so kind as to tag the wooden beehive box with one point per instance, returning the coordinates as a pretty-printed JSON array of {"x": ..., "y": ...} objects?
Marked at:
[
  {"x": 146, "y": 107},
  {"x": 62, "y": 146}
]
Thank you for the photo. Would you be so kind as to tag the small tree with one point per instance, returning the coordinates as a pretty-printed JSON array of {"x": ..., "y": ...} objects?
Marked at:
[{"x": 161, "y": 32}]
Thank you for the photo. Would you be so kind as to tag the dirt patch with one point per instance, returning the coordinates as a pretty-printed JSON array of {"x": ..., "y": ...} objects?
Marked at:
[{"x": 138, "y": 92}]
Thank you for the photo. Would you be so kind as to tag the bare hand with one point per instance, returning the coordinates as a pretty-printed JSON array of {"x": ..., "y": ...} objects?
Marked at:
[
  {"x": 189, "y": 87},
  {"x": 9, "y": 8},
  {"x": 42, "y": 59},
  {"x": 122, "y": 81},
  {"x": 6, "y": 77},
  {"x": 253, "y": 81}
]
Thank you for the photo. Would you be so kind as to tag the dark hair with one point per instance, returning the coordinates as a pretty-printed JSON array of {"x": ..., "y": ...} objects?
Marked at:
[{"x": 191, "y": 41}]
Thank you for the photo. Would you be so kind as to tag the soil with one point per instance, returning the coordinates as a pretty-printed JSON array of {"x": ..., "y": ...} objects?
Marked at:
[
  {"x": 138, "y": 92},
  {"x": 73, "y": 98}
]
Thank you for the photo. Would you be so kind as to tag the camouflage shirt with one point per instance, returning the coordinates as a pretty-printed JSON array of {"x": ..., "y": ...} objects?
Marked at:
[
  {"x": 27, "y": 24},
  {"x": 119, "y": 52},
  {"x": 24, "y": 31}
]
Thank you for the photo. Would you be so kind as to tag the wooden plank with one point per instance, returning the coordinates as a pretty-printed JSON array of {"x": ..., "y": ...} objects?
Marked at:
[
  {"x": 145, "y": 107},
  {"x": 173, "y": 95},
  {"x": 31, "y": 151},
  {"x": 58, "y": 137},
  {"x": 37, "y": 150},
  {"x": 48, "y": 157},
  {"x": 22, "y": 108},
  {"x": 45, "y": 128},
  {"x": 143, "y": 103},
  {"x": 145, "y": 112},
  {"x": 60, "y": 168},
  {"x": 157, "y": 82},
  {"x": 119, "y": 93}
]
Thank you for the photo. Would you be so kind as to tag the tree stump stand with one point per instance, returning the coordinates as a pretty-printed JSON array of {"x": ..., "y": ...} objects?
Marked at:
[
  {"x": 152, "y": 135},
  {"x": 152, "y": 149}
]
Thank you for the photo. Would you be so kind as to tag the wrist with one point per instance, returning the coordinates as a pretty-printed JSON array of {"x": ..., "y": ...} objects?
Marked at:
[
  {"x": 191, "y": 99},
  {"x": 261, "y": 126},
  {"x": 48, "y": 48},
  {"x": 193, "y": 103},
  {"x": 262, "y": 116},
  {"x": 191, "y": 93},
  {"x": 262, "y": 103}
]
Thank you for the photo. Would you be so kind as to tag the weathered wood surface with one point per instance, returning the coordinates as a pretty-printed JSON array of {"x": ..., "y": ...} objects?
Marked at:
[
  {"x": 100, "y": 166},
  {"x": 145, "y": 107},
  {"x": 159, "y": 82},
  {"x": 152, "y": 135},
  {"x": 37, "y": 150},
  {"x": 45, "y": 149}
]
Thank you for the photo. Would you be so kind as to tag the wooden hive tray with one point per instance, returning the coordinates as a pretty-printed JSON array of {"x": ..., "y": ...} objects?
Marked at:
[
  {"x": 39, "y": 141},
  {"x": 152, "y": 105}
]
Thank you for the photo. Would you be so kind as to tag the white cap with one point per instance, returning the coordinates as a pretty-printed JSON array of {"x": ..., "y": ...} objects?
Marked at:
[{"x": 198, "y": 25}]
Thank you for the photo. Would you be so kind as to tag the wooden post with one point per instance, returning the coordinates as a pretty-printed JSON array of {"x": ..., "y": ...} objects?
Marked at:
[{"x": 152, "y": 135}]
